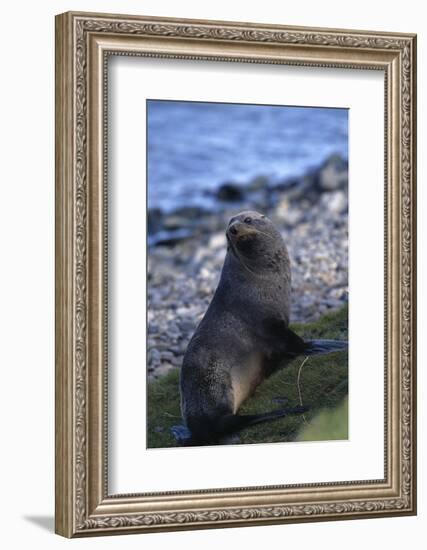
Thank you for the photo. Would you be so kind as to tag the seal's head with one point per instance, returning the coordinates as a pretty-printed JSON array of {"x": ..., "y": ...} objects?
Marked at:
[{"x": 256, "y": 243}]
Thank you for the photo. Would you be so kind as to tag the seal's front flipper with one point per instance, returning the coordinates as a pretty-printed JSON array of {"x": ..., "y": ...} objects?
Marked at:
[
  {"x": 298, "y": 346},
  {"x": 182, "y": 434},
  {"x": 316, "y": 347}
]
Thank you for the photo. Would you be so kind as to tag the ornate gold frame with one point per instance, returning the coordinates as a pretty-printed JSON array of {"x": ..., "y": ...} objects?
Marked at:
[{"x": 83, "y": 42}]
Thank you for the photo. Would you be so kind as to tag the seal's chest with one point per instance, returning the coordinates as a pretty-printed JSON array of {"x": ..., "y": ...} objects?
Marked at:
[{"x": 245, "y": 378}]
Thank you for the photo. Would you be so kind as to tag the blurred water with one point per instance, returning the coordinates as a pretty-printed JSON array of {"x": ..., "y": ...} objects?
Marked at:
[{"x": 194, "y": 147}]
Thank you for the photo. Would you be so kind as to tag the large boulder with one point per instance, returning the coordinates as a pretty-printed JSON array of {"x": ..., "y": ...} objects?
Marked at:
[{"x": 230, "y": 192}]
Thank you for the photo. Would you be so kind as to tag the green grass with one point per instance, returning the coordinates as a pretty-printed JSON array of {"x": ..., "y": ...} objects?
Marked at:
[
  {"x": 327, "y": 425},
  {"x": 323, "y": 384}
]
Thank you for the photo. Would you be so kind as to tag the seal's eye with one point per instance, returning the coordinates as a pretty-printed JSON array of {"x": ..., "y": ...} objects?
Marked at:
[{"x": 247, "y": 220}]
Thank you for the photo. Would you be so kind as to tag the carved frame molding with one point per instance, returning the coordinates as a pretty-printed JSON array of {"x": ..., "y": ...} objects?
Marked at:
[{"x": 83, "y": 43}]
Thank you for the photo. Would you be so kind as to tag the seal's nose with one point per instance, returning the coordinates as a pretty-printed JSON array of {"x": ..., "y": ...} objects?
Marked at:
[
  {"x": 239, "y": 229},
  {"x": 233, "y": 229}
]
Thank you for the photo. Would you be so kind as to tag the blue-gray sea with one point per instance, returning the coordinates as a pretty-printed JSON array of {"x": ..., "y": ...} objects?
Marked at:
[{"x": 194, "y": 147}]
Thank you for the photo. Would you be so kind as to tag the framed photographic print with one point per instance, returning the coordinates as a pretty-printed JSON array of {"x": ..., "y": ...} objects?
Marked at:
[{"x": 235, "y": 274}]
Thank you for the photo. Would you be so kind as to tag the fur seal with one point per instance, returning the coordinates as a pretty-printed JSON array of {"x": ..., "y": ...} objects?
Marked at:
[{"x": 244, "y": 336}]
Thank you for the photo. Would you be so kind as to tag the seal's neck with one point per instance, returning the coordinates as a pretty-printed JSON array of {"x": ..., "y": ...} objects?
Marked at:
[
  {"x": 243, "y": 289},
  {"x": 267, "y": 264}
]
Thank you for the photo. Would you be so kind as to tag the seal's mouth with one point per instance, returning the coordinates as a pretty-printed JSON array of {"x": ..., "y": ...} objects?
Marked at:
[
  {"x": 239, "y": 234},
  {"x": 239, "y": 237},
  {"x": 242, "y": 240}
]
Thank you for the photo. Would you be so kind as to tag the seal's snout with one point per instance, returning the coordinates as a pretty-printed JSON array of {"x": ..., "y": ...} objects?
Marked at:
[
  {"x": 238, "y": 229},
  {"x": 233, "y": 229}
]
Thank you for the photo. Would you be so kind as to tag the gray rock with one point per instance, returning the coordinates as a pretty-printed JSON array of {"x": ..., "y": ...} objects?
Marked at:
[
  {"x": 336, "y": 202},
  {"x": 167, "y": 355},
  {"x": 154, "y": 220},
  {"x": 187, "y": 326},
  {"x": 177, "y": 361},
  {"x": 288, "y": 214},
  {"x": 153, "y": 328},
  {"x": 333, "y": 174},
  {"x": 230, "y": 192},
  {"x": 162, "y": 369},
  {"x": 154, "y": 355},
  {"x": 218, "y": 240},
  {"x": 331, "y": 303}
]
